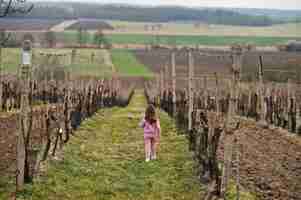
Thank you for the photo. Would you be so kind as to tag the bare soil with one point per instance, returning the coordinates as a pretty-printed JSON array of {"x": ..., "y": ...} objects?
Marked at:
[{"x": 270, "y": 164}]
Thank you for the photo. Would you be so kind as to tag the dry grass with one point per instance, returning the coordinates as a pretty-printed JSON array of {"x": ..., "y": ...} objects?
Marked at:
[{"x": 100, "y": 66}]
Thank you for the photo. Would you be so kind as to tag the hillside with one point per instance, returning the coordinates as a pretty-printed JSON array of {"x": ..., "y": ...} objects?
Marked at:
[
  {"x": 69, "y": 10},
  {"x": 273, "y": 13}
]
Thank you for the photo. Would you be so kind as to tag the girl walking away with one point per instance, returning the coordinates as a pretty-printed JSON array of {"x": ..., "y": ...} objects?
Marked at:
[{"x": 152, "y": 130}]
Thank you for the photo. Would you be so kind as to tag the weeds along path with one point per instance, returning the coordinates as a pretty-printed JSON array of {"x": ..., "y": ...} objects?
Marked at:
[{"x": 105, "y": 160}]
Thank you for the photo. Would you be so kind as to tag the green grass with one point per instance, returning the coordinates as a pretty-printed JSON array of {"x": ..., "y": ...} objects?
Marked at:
[
  {"x": 244, "y": 195},
  {"x": 211, "y": 40},
  {"x": 6, "y": 187},
  {"x": 11, "y": 59},
  {"x": 100, "y": 67},
  {"x": 193, "y": 40},
  {"x": 126, "y": 63},
  {"x": 105, "y": 161},
  {"x": 71, "y": 37}
]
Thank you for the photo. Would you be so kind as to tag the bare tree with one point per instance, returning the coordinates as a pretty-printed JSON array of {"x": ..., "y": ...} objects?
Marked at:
[{"x": 8, "y": 7}]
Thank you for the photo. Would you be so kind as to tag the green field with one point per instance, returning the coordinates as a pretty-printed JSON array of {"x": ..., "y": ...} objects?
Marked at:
[
  {"x": 194, "y": 40},
  {"x": 101, "y": 65},
  {"x": 126, "y": 64},
  {"x": 211, "y": 40},
  {"x": 71, "y": 37}
]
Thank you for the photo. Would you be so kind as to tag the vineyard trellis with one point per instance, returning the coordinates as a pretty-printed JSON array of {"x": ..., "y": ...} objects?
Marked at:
[
  {"x": 50, "y": 109},
  {"x": 216, "y": 111}
]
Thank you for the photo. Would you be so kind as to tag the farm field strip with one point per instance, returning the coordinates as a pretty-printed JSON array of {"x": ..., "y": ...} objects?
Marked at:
[
  {"x": 126, "y": 64},
  {"x": 167, "y": 39},
  {"x": 63, "y": 25},
  {"x": 178, "y": 28},
  {"x": 193, "y": 40},
  {"x": 101, "y": 66}
]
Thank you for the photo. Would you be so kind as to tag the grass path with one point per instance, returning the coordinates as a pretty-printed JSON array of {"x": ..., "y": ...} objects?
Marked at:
[
  {"x": 127, "y": 64},
  {"x": 105, "y": 161}
]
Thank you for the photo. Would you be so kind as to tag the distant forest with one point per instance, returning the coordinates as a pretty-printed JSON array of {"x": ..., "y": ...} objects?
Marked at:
[{"x": 147, "y": 14}]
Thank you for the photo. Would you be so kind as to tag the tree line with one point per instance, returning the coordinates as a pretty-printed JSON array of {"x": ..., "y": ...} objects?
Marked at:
[{"x": 149, "y": 14}]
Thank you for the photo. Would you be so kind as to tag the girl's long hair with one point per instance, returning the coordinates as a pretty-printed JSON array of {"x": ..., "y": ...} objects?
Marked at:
[{"x": 150, "y": 114}]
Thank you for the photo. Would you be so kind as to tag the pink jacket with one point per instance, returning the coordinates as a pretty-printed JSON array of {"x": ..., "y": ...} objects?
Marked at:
[{"x": 149, "y": 129}]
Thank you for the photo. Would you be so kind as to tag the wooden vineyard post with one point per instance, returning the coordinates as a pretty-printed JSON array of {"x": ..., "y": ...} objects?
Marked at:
[
  {"x": 166, "y": 80},
  {"x": 90, "y": 92},
  {"x": 92, "y": 57},
  {"x": 63, "y": 59},
  {"x": 24, "y": 118},
  {"x": 1, "y": 90},
  {"x": 73, "y": 56},
  {"x": 263, "y": 108},
  {"x": 237, "y": 163},
  {"x": 205, "y": 94},
  {"x": 161, "y": 84},
  {"x": 67, "y": 105},
  {"x": 250, "y": 93},
  {"x": 217, "y": 98},
  {"x": 157, "y": 77},
  {"x": 291, "y": 107},
  {"x": 54, "y": 62},
  {"x": 173, "y": 74},
  {"x": 117, "y": 84},
  {"x": 157, "y": 84},
  {"x": 289, "y": 103},
  {"x": 70, "y": 106},
  {"x": 67, "y": 59},
  {"x": 228, "y": 144},
  {"x": 190, "y": 88},
  {"x": 236, "y": 78},
  {"x": 231, "y": 123}
]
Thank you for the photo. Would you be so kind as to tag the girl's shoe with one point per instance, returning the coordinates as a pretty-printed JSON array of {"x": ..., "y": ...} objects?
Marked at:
[
  {"x": 147, "y": 160},
  {"x": 154, "y": 157}
]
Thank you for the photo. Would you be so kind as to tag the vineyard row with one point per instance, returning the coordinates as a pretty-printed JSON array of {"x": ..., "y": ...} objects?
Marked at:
[{"x": 210, "y": 113}]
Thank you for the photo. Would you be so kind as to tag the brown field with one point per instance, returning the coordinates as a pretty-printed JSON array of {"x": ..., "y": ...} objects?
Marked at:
[
  {"x": 210, "y": 62},
  {"x": 90, "y": 25},
  {"x": 172, "y": 28},
  {"x": 27, "y": 24},
  {"x": 269, "y": 162}
]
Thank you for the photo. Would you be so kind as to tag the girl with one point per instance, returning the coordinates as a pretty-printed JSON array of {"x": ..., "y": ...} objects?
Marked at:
[{"x": 152, "y": 130}]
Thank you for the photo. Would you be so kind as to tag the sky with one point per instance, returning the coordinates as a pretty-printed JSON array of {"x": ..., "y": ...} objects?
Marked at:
[{"x": 278, "y": 4}]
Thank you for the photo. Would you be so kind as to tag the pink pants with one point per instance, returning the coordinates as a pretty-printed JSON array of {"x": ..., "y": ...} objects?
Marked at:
[{"x": 150, "y": 145}]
